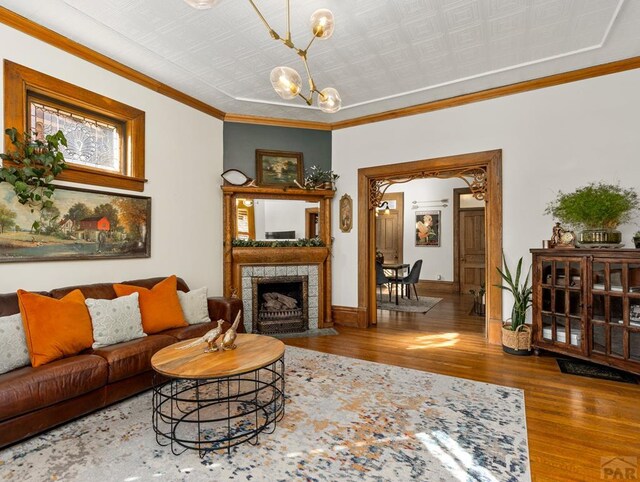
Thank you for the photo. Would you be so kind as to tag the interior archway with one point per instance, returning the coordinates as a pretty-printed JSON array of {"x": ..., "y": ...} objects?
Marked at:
[{"x": 483, "y": 173}]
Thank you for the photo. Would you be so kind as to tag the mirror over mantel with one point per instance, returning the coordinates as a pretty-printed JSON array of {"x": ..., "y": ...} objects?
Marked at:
[{"x": 278, "y": 214}]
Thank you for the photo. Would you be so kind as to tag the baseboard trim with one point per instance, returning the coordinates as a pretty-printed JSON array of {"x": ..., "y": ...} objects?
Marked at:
[
  {"x": 441, "y": 286},
  {"x": 347, "y": 316}
]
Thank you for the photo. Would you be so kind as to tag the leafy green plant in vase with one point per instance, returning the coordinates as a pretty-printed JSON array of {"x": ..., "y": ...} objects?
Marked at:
[
  {"x": 318, "y": 178},
  {"x": 516, "y": 334},
  {"x": 33, "y": 165},
  {"x": 596, "y": 210}
]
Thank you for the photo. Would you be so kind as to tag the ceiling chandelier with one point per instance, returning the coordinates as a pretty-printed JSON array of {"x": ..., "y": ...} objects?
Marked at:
[{"x": 287, "y": 81}]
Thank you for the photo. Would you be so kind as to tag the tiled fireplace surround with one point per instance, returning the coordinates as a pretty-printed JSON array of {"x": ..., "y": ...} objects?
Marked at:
[{"x": 280, "y": 271}]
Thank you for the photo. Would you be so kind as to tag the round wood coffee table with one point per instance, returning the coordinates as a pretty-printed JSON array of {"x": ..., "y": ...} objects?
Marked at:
[{"x": 215, "y": 401}]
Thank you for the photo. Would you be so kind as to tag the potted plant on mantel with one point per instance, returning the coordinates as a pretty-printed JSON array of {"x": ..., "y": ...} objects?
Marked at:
[
  {"x": 318, "y": 178},
  {"x": 516, "y": 334},
  {"x": 33, "y": 166},
  {"x": 597, "y": 209}
]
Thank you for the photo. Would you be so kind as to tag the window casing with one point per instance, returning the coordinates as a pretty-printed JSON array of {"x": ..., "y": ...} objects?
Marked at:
[{"x": 105, "y": 137}]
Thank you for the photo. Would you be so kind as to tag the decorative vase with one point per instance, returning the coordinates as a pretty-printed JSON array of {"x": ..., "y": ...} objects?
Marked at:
[
  {"x": 599, "y": 237},
  {"x": 636, "y": 241},
  {"x": 380, "y": 258},
  {"x": 518, "y": 341}
]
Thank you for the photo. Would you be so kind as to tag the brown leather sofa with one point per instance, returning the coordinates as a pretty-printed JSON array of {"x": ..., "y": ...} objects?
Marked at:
[{"x": 33, "y": 400}]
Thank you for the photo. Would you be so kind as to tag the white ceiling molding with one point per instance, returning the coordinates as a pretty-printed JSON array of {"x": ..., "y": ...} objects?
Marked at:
[{"x": 383, "y": 55}]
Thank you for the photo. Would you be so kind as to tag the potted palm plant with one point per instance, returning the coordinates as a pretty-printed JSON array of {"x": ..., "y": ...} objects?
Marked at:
[
  {"x": 516, "y": 334},
  {"x": 597, "y": 209}
]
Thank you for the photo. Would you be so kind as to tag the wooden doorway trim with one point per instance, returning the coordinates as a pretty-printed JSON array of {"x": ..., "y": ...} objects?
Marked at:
[{"x": 488, "y": 166}]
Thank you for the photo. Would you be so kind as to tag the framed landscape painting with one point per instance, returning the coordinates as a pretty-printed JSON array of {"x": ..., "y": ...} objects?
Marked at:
[
  {"x": 279, "y": 168},
  {"x": 82, "y": 224},
  {"x": 428, "y": 228}
]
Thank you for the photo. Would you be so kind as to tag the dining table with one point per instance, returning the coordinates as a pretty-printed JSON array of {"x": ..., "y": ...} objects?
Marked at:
[{"x": 397, "y": 268}]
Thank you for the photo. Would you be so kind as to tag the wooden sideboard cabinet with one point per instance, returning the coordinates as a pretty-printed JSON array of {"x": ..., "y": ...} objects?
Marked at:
[{"x": 586, "y": 303}]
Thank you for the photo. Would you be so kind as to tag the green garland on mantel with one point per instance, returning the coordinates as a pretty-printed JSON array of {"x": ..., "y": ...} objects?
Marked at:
[{"x": 299, "y": 243}]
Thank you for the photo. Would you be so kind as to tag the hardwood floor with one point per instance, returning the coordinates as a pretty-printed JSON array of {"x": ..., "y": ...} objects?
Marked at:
[{"x": 574, "y": 423}]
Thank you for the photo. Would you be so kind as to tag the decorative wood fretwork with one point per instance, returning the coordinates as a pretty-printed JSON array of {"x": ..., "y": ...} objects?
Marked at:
[{"x": 476, "y": 179}]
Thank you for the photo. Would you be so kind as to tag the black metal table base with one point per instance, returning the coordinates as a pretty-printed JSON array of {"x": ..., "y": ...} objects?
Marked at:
[{"x": 218, "y": 413}]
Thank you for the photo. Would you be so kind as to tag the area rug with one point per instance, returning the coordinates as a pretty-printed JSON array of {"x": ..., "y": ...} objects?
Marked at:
[
  {"x": 308, "y": 334},
  {"x": 592, "y": 370},
  {"x": 412, "y": 305},
  {"x": 346, "y": 419}
]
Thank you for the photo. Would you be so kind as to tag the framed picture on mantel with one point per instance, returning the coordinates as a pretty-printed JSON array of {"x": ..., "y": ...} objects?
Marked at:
[{"x": 279, "y": 168}]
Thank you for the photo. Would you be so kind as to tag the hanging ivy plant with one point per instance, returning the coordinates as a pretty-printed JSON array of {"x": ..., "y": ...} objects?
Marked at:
[{"x": 35, "y": 163}]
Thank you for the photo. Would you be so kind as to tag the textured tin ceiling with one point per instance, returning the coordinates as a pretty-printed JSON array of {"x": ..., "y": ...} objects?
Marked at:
[{"x": 384, "y": 54}]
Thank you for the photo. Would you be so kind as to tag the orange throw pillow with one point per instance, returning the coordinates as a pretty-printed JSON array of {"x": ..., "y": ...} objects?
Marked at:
[
  {"x": 159, "y": 306},
  {"x": 55, "y": 328}
]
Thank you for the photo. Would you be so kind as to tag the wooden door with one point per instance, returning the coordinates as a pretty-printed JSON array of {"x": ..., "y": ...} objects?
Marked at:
[
  {"x": 472, "y": 249},
  {"x": 388, "y": 236},
  {"x": 389, "y": 228},
  {"x": 312, "y": 221}
]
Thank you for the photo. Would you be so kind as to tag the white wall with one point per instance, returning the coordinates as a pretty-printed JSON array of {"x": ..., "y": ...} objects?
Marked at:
[
  {"x": 436, "y": 260},
  {"x": 183, "y": 165},
  {"x": 556, "y": 138}
]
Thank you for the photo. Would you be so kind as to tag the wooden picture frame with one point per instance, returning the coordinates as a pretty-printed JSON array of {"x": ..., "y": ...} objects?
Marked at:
[
  {"x": 279, "y": 168},
  {"x": 346, "y": 213},
  {"x": 83, "y": 224},
  {"x": 428, "y": 228}
]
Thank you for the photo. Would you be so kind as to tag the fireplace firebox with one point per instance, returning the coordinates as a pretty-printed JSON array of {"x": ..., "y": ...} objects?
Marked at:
[{"x": 280, "y": 304}]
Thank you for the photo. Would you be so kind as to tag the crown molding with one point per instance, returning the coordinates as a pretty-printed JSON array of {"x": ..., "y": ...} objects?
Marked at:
[
  {"x": 272, "y": 121},
  {"x": 495, "y": 92},
  {"x": 57, "y": 40},
  {"x": 35, "y": 30}
]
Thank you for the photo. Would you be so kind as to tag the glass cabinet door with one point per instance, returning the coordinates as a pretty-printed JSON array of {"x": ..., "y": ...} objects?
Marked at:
[
  {"x": 562, "y": 304},
  {"x": 615, "y": 309}
]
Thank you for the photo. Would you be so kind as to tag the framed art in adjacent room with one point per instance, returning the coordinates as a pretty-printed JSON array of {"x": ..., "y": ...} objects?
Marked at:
[
  {"x": 279, "y": 168},
  {"x": 428, "y": 228},
  {"x": 82, "y": 224}
]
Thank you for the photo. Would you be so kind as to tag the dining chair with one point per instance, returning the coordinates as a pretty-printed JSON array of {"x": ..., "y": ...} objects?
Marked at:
[
  {"x": 382, "y": 279},
  {"x": 412, "y": 279}
]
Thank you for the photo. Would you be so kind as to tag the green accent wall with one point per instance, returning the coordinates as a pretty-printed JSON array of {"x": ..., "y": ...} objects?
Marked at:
[{"x": 242, "y": 140}]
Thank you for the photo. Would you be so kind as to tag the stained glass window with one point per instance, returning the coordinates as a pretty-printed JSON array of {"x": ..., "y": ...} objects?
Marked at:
[{"x": 91, "y": 142}]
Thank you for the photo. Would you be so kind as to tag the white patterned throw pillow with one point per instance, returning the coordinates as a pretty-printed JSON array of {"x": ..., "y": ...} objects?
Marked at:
[
  {"x": 13, "y": 344},
  {"x": 194, "y": 306},
  {"x": 115, "y": 321}
]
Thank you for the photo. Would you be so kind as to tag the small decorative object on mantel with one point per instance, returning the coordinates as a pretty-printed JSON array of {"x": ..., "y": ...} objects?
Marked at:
[
  {"x": 516, "y": 334},
  {"x": 346, "y": 213},
  {"x": 236, "y": 177},
  {"x": 636, "y": 239},
  {"x": 561, "y": 238},
  {"x": 278, "y": 168},
  {"x": 31, "y": 166},
  {"x": 597, "y": 209},
  {"x": 379, "y": 256},
  {"x": 318, "y": 178}
]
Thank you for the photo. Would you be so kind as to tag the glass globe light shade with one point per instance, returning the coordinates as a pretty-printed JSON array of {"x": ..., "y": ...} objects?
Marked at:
[
  {"x": 329, "y": 100},
  {"x": 322, "y": 23},
  {"x": 201, "y": 4},
  {"x": 286, "y": 82}
]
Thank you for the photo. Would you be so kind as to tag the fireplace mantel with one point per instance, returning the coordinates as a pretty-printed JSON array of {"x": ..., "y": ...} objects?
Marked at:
[{"x": 237, "y": 258}]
